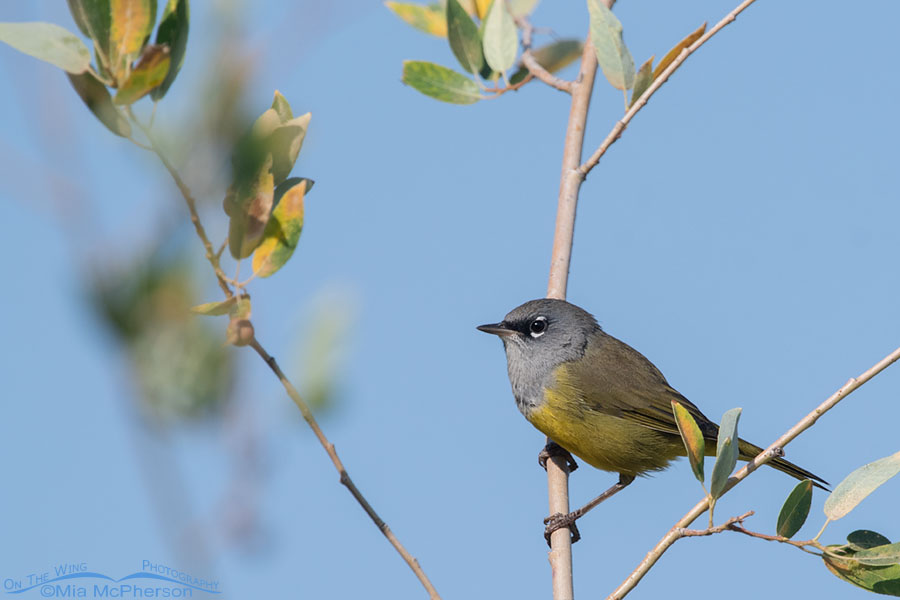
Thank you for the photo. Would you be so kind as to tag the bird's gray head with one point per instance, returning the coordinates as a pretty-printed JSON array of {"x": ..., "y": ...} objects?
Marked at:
[{"x": 538, "y": 336}]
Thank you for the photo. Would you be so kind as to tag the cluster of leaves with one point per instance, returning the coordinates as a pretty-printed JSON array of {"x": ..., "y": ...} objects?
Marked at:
[
  {"x": 868, "y": 559},
  {"x": 125, "y": 61},
  {"x": 486, "y": 49},
  {"x": 264, "y": 205},
  {"x": 180, "y": 365}
]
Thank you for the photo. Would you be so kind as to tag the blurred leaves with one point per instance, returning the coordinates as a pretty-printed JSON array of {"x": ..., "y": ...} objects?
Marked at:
[
  {"x": 48, "y": 42},
  {"x": 440, "y": 82},
  {"x": 430, "y": 19},
  {"x": 173, "y": 32},
  {"x": 150, "y": 71},
  {"x": 131, "y": 22},
  {"x": 726, "y": 452},
  {"x": 93, "y": 19},
  {"x": 612, "y": 54},
  {"x": 283, "y": 229},
  {"x": 859, "y": 484},
  {"x": 262, "y": 159},
  {"x": 181, "y": 368},
  {"x": 795, "y": 510},
  {"x": 553, "y": 57},
  {"x": 215, "y": 309},
  {"x": 97, "y": 98},
  {"x": 323, "y": 347}
]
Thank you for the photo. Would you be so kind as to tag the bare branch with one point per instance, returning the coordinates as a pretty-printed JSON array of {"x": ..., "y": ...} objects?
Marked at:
[
  {"x": 620, "y": 125},
  {"x": 766, "y": 455},
  {"x": 211, "y": 255},
  {"x": 729, "y": 524},
  {"x": 345, "y": 478},
  {"x": 531, "y": 63}
]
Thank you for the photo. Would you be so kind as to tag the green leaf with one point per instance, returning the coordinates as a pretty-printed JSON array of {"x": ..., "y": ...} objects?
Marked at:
[
  {"x": 501, "y": 38},
  {"x": 553, "y": 57},
  {"x": 283, "y": 230},
  {"x": 463, "y": 36},
  {"x": 147, "y": 75},
  {"x": 93, "y": 19},
  {"x": 97, "y": 98},
  {"x": 881, "y": 580},
  {"x": 693, "y": 440},
  {"x": 440, "y": 82},
  {"x": 49, "y": 43},
  {"x": 672, "y": 54},
  {"x": 859, "y": 484},
  {"x": 214, "y": 309},
  {"x": 612, "y": 54},
  {"x": 282, "y": 107},
  {"x": 795, "y": 510},
  {"x": 251, "y": 205},
  {"x": 521, "y": 8},
  {"x": 285, "y": 143},
  {"x": 726, "y": 452},
  {"x": 240, "y": 309},
  {"x": 131, "y": 22},
  {"x": 430, "y": 19},
  {"x": 879, "y": 556},
  {"x": 862, "y": 539},
  {"x": 173, "y": 32},
  {"x": 642, "y": 81}
]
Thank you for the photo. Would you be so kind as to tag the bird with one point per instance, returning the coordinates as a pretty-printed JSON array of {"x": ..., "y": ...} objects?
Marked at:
[{"x": 598, "y": 398}]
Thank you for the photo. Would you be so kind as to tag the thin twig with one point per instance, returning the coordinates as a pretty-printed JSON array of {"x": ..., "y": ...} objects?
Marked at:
[
  {"x": 533, "y": 66},
  {"x": 211, "y": 254},
  {"x": 345, "y": 478},
  {"x": 733, "y": 521},
  {"x": 620, "y": 125},
  {"x": 766, "y": 455},
  {"x": 497, "y": 91},
  {"x": 779, "y": 538}
]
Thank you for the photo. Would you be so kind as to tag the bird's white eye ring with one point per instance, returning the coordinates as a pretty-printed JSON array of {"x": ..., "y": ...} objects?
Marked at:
[{"x": 538, "y": 327}]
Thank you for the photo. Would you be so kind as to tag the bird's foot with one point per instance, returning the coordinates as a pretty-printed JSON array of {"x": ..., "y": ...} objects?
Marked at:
[
  {"x": 558, "y": 521},
  {"x": 553, "y": 449}
]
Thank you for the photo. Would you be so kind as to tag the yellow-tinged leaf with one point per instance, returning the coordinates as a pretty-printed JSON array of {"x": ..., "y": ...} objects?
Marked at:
[
  {"x": 130, "y": 24},
  {"x": 147, "y": 75},
  {"x": 214, "y": 309},
  {"x": 430, "y": 19},
  {"x": 240, "y": 309},
  {"x": 674, "y": 52},
  {"x": 281, "y": 106},
  {"x": 250, "y": 205},
  {"x": 282, "y": 232},
  {"x": 693, "y": 440},
  {"x": 642, "y": 81},
  {"x": 482, "y": 6},
  {"x": 440, "y": 82}
]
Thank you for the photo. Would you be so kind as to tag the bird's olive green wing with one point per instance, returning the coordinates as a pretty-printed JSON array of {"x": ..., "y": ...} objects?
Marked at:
[{"x": 615, "y": 379}]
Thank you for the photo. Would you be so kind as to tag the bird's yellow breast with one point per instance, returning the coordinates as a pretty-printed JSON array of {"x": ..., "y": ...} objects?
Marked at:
[{"x": 605, "y": 441}]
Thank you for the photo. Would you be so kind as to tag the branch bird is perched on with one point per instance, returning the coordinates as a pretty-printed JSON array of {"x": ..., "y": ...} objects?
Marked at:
[{"x": 599, "y": 398}]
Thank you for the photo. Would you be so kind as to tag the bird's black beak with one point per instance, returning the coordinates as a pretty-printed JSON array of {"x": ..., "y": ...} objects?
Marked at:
[{"x": 501, "y": 329}]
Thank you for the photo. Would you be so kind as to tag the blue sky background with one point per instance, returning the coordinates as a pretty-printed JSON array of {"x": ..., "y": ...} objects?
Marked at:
[{"x": 742, "y": 235}]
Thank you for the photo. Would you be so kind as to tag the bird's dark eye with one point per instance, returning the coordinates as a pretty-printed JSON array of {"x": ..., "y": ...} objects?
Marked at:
[{"x": 538, "y": 326}]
